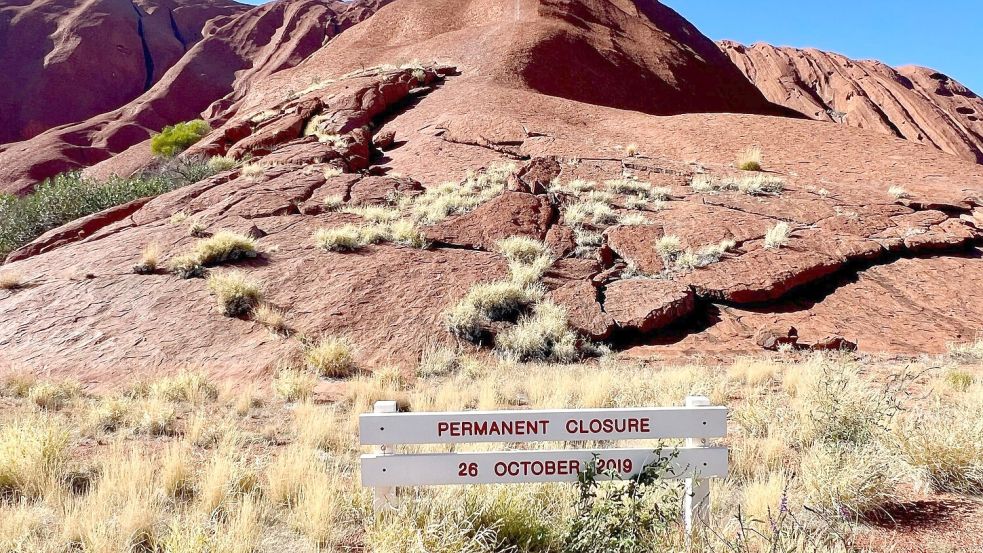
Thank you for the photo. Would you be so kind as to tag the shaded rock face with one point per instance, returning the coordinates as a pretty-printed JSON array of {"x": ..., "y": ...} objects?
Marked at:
[
  {"x": 858, "y": 264},
  {"x": 207, "y": 81},
  {"x": 914, "y": 103},
  {"x": 67, "y": 60}
]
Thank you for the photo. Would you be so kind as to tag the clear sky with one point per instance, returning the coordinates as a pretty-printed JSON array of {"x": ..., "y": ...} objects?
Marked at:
[{"x": 946, "y": 35}]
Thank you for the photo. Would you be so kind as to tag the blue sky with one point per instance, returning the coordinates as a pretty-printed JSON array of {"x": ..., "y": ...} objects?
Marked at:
[{"x": 944, "y": 34}]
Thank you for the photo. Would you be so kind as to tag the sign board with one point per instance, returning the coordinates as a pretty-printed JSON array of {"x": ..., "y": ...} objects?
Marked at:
[
  {"x": 695, "y": 463},
  {"x": 518, "y": 467},
  {"x": 562, "y": 425}
]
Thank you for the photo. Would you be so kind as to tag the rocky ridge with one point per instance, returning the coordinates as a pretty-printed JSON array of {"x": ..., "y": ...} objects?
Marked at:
[{"x": 914, "y": 103}]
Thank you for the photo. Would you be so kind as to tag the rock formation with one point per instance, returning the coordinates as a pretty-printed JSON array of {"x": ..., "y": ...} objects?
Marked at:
[
  {"x": 209, "y": 78},
  {"x": 914, "y": 103},
  {"x": 67, "y": 60},
  {"x": 888, "y": 272}
]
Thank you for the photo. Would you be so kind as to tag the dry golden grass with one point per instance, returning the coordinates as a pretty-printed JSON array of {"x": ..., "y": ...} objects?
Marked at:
[
  {"x": 149, "y": 260},
  {"x": 810, "y": 435},
  {"x": 331, "y": 356},
  {"x": 294, "y": 385},
  {"x": 235, "y": 292},
  {"x": 778, "y": 236},
  {"x": 272, "y": 317},
  {"x": 749, "y": 159},
  {"x": 11, "y": 280}
]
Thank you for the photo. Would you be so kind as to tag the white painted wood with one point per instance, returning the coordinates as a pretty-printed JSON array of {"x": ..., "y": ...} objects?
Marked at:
[
  {"x": 696, "y": 501},
  {"x": 384, "y": 496},
  {"x": 514, "y": 467},
  {"x": 561, "y": 425}
]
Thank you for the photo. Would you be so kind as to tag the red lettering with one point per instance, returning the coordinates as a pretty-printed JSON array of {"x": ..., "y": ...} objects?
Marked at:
[{"x": 441, "y": 428}]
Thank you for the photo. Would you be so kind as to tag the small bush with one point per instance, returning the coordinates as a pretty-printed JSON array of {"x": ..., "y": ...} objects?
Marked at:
[
  {"x": 11, "y": 280},
  {"x": 522, "y": 249},
  {"x": 778, "y": 236},
  {"x": 619, "y": 518},
  {"x": 188, "y": 385},
  {"x": 631, "y": 150},
  {"x": 272, "y": 318},
  {"x": 440, "y": 202},
  {"x": 543, "y": 335},
  {"x": 70, "y": 196},
  {"x": 149, "y": 260},
  {"x": 749, "y": 159},
  {"x": 633, "y": 219},
  {"x": 848, "y": 482},
  {"x": 33, "y": 455},
  {"x": 294, "y": 385},
  {"x": 898, "y": 193},
  {"x": 217, "y": 164},
  {"x": 236, "y": 292},
  {"x": 331, "y": 357},
  {"x": 175, "y": 139},
  {"x": 960, "y": 381},
  {"x": 528, "y": 274}
]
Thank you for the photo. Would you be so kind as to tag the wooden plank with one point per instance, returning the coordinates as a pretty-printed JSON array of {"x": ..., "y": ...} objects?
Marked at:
[
  {"x": 538, "y": 426},
  {"x": 514, "y": 467}
]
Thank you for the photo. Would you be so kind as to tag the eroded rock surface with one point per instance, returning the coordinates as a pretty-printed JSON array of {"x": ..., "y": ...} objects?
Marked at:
[{"x": 914, "y": 103}]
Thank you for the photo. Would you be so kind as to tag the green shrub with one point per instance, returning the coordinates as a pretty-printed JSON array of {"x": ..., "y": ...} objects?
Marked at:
[
  {"x": 175, "y": 139},
  {"x": 71, "y": 196},
  {"x": 625, "y": 518}
]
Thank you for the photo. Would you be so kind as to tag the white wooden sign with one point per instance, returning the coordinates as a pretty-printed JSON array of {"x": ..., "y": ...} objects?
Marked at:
[
  {"x": 522, "y": 467},
  {"x": 697, "y": 422},
  {"x": 562, "y": 425}
]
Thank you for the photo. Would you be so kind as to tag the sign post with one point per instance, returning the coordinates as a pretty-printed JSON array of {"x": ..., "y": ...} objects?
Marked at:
[{"x": 697, "y": 422}]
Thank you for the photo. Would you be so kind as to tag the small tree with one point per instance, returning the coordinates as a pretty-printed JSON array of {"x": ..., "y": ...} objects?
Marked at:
[{"x": 175, "y": 139}]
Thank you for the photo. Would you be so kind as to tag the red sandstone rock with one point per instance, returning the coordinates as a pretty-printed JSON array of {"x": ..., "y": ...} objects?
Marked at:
[
  {"x": 586, "y": 316},
  {"x": 914, "y": 103},
  {"x": 647, "y": 304},
  {"x": 510, "y": 214},
  {"x": 67, "y": 60}
]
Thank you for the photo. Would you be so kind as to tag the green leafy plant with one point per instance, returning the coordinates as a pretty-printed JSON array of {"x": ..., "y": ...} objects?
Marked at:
[
  {"x": 625, "y": 516},
  {"x": 175, "y": 139}
]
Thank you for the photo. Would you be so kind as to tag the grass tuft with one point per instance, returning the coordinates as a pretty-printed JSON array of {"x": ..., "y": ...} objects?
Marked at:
[
  {"x": 331, "y": 357},
  {"x": 749, "y": 159},
  {"x": 235, "y": 291},
  {"x": 778, "y": 236}
]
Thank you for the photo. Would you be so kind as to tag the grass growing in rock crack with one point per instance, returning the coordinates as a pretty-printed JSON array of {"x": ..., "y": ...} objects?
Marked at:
[
  {"x": 11, "y": 280},
  {"x": 438, "y": 203},
  {"x": 898, "y": 192},
  {"x": 752, "y": 185},
  {"x": 223, "y": 247},
  {"x": 350, "y": 237},
  {"x": 149, "y": 260},
  {"x": 778, "y": 236}
]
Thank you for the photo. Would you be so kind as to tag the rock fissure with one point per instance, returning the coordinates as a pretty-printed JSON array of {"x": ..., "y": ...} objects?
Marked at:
[{"x": 148, "y": 58}]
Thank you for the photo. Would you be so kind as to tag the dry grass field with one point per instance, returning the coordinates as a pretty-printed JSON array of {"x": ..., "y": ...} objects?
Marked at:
[{"x": 824, "y": 450}]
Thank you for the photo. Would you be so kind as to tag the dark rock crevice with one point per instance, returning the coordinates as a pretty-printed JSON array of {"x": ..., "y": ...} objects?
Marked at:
[{"x": 148, "y": 58}]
